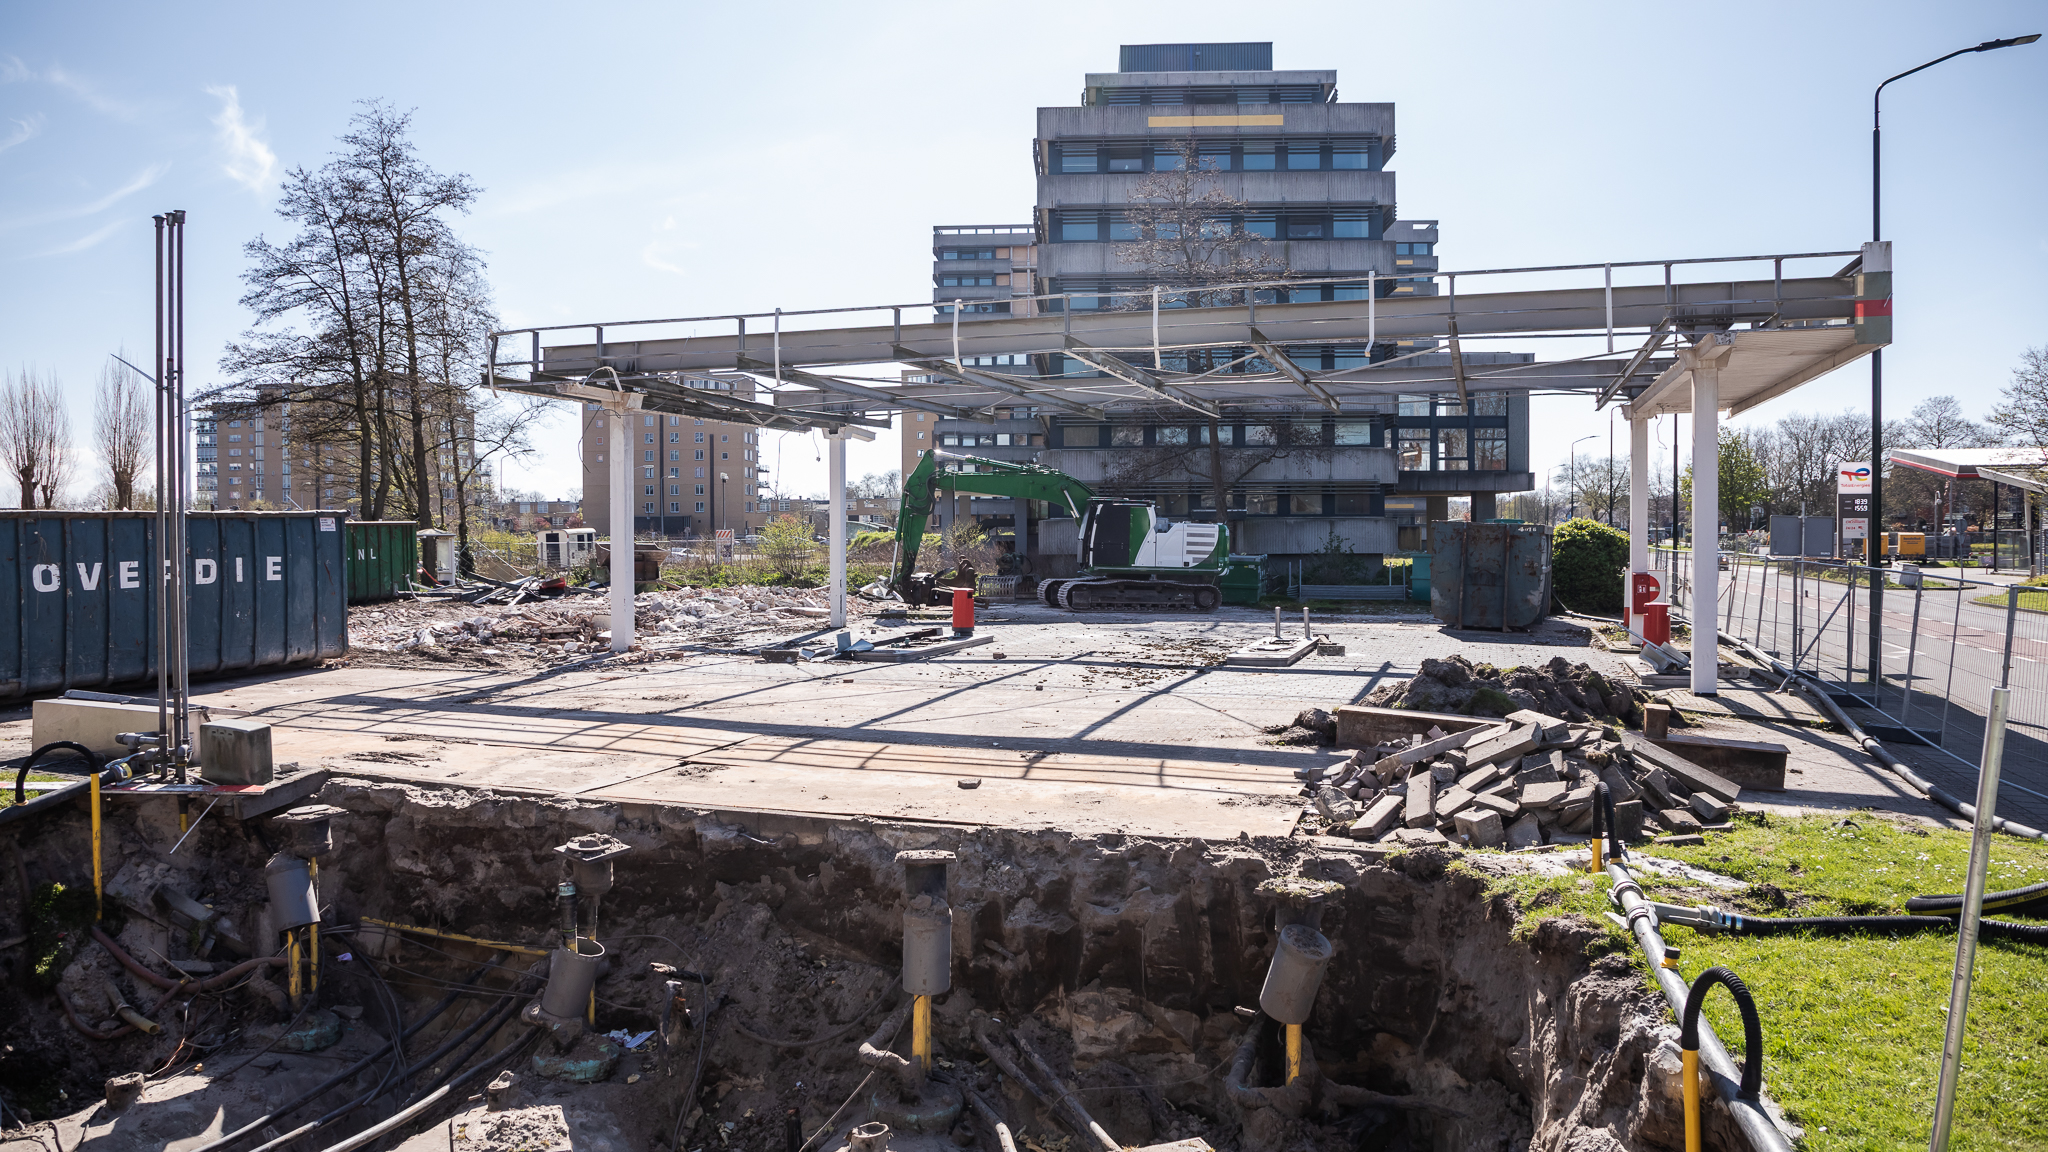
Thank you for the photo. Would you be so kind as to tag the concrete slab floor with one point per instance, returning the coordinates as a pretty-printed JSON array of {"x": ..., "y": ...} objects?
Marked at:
[{"x": 1130, "y": 721}]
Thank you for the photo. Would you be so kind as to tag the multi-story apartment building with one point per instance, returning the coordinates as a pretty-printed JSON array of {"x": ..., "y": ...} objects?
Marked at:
[
  {"x": 534, "y": 515},
  {"x": 1310, "y": 174},
  {"x": 253, "y": 459},
  {"x": 691, "y": 477}
]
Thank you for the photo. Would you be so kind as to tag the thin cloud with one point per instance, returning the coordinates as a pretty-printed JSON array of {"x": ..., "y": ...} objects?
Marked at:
[
  {"x": 24, "y": 131},
  {"x": 249, "y": 160},
  {"x": 143, "y": 179},
  {"x": 88, "y": 240},
  {"x": 655, "y": 262},
  {"x": 13, "y": 71}
]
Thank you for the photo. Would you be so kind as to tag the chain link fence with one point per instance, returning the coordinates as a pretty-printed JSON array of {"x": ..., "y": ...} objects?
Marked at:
[{"x": 1924, "y": 663}]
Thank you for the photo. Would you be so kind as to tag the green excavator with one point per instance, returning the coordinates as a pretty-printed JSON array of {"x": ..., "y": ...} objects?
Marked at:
[{"x": 1130, "y": 555}]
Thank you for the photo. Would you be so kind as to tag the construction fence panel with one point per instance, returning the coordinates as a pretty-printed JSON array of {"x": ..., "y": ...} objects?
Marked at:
[{"x": 1926, "y": 664}]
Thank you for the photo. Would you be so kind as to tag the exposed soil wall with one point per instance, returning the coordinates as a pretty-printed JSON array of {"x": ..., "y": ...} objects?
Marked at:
[{"x": 1124, "y": 961}]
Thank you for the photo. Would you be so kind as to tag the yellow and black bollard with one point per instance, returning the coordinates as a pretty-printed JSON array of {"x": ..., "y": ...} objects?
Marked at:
[{"x": 1689, "y": 1045}]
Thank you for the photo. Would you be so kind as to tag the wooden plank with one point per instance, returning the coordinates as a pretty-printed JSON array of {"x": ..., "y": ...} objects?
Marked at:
[{"x": 1696, "y": 778}]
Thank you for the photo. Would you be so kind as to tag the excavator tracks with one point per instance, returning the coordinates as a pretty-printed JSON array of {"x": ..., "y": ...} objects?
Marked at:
[{"x": 1099, "y": 593}]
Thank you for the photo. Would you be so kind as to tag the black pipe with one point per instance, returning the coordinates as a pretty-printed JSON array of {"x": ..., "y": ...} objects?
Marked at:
[
  {"x": 21, "y": 777},
  {"x": 2010, "y": 900},
  {"x": 314, "y": 1093},
  {"x": 1605, "y": 800},
  {"x": 1752, "y": 1027},
  {"x": 1843, "y": 925}
]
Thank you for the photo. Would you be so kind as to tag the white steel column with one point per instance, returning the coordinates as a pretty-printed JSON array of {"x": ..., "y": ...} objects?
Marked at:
[
  {"x": 836, "y": 477},
  {"x": 1638, "y": 504},
  {"x": 621, "y": 525},
  {"x": 1706, "y": 526}
]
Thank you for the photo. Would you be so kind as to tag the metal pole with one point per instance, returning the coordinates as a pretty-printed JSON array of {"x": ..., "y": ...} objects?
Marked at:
[
  {"x": 1966, "y": 929},
  {"x": 1372, "y": 313},
  {"x": 1912, "y": 658},
  {"x": 1156, "y": 364},
  {"x": 621, "y": 599},
  {"x": 836, "y": 449},
  {"x": 2012, "y": 613},
  {"x": 1610, "y": 308},
  {"x": 180, "y": 652},
  {"x": 163, "y": 645}
]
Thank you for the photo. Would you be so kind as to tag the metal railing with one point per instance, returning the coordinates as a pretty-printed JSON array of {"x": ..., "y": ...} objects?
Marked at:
[{"x": 1943, "y": 640}]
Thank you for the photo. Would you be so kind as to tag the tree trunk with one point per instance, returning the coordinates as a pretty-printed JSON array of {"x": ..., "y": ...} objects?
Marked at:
[{"x": 28, "y": 488}]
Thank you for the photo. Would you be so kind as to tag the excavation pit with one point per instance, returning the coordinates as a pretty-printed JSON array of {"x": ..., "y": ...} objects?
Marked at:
[{"x": 760, "y": 950}]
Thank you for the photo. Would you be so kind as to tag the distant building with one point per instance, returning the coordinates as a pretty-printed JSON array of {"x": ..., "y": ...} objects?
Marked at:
[
  {"x": 250, "y": 459},
  {"x": 1311, "y": 173},
  {"x": 535, "y": 515}
]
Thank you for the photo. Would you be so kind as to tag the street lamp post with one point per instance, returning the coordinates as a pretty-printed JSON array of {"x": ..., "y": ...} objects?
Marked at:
[
  {"x": 1571, "y": 471},
  {"x": 1875, "y": 524}
]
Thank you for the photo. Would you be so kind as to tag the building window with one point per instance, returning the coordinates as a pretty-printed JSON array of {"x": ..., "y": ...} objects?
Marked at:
[
  {"x": 967, "y": 253},
  {"x": 1354, "y": 432},
  {"x": 1413, "y": 447},
  {"x": 1453, "y": 452},
  {"x": 1489, "y": 403},
  {"x": 700, "y": 473},
  {"x": 648, "y": 507},
  {"x": 675, "y": 489},
  {"x": 1305, "y": 504},
  {"x": 700, "y": 505},
  {"x": 989, "y": 280},
  {"x": 1490, "y": 450},
  {"x": 700, "y": 437},
  {"x": 699, "y": 491},
  {"x": 675, "y": 506},
  {"x": 1262, "y": 502},
  {"x": 1126, "y": 435},
  {"x": 1172, "y": 435}
]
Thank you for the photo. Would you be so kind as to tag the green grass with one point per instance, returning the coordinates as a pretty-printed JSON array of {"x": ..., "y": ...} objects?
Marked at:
[
  {"x": 7, "y": 785},
  {"x": 1853, "y": 1025},
  {"x": 2033, "y": 596}
]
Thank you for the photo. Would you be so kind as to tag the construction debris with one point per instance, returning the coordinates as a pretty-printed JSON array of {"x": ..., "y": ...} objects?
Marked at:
[
  {"x": 1527, "y": 781},
  {"x": 579, "y": 624},
  {"x": 1560, "y": 688}
]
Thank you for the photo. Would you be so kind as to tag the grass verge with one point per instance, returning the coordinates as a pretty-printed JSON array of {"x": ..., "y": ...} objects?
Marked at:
[{"x": 1853, "y": 1025}]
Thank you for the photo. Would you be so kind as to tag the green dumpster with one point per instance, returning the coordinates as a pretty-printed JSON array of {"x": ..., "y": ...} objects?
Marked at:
[
  {"x": 382, "y": 557},
  {"x": 1243, "y": 579}
]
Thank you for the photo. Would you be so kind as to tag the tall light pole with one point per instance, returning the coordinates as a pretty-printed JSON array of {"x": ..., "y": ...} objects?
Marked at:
[
  {"x": 1875, "y": 524},
  {"x": 1571, "y": 471}
]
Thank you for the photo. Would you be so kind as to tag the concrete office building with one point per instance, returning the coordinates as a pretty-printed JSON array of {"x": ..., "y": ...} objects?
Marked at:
[
  {"x": 691, "y": 477},
  {"x": 252, "y": 459},
  {"x": 1310, "y": 172}
]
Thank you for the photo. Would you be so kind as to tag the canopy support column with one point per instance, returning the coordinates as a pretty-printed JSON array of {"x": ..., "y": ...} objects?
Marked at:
[
  {"x": 836, "y": 477},
  {"x": 621, "y": 524},
  {"x": 1706, "y": 516},
  {"x": 1638, "y": 508}
]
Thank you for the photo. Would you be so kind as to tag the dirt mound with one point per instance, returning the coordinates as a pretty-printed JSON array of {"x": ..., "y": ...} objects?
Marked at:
[{"x": 1560, "y": 688}]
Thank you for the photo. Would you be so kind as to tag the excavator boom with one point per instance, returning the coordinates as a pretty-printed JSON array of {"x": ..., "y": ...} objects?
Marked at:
[{"x": 990, "y": 478}]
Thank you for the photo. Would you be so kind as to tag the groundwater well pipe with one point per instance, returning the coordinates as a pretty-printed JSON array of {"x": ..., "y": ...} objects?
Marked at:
[{"x": 1756, "y": 1124}]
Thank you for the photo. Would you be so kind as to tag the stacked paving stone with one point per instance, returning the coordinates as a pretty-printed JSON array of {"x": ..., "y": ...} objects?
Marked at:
[{"x": 1524, "y": 782}]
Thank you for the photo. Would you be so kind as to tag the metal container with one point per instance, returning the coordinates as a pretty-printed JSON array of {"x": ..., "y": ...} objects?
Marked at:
[
  {"x": 293, "y": 901},
  {"x": 1418, "y": 578},
  {"x": 1490, "y": 575},
  {"x": 571, "y": 976},
  {"x": 927, "y": 947},
  {"x": 264, "y": 589},
  {"x": 1243, "y": 579},
  {"x": 1295, "y": 974},
  {"x": 382, "y": 557}
]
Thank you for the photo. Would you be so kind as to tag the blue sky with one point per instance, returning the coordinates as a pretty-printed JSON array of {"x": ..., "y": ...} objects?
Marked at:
[{"x": 662, "y": 159}]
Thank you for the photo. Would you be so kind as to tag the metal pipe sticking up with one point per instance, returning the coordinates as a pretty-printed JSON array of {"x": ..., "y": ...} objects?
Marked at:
[{"x": 927, "y": 944}]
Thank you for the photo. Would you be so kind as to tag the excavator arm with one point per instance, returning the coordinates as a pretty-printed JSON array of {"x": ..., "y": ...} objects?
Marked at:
[{"x": 990, "y": 478}]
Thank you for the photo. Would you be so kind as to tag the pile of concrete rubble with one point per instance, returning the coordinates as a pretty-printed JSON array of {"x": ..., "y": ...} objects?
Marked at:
[
  {"x": 1559, "y": 688},
  {"x": 580, "y": 624},
  {"x": 1527, "y": 781}
]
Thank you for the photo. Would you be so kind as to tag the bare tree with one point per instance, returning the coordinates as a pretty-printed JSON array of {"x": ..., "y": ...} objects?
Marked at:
[
  {"x": 35, "y": 436},
  {"x": 121, "y": 430},
  {"x": 1197, "y": 455},
  {"x": 1938, "y": 422},
  {"x": 2022, "y": 411},
  {"x": 1187, "y": 238}
]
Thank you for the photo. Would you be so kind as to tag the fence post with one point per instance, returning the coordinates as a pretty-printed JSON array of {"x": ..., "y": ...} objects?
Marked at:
[
  {"x": 1966, "y": 928},
  {"x": 2012, "y": 614},
  {"x": 1912, "y": 657}
]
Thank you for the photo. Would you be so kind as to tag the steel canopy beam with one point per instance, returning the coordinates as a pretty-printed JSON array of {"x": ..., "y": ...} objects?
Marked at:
[
  {"x": 1278, "y": 358},
  {"x": 1130, "y": 373},
  {"x": 989, "y": 380},
  {"x": 828, "y": 384},
  {"x": 669, "y": 399}
]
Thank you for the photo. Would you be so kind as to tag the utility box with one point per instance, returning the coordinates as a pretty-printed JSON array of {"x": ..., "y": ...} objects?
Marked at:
[
  {"x": 567, "y": 547},
  {"x": 234, "y": 752},
  {"x": 437, "y": 554}
]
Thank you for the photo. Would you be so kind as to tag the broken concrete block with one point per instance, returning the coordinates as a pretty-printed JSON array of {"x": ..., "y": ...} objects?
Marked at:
[
  {"x": 1477, "y": 779},
  {"x": 1580, "y": 795},
  {"x": 1693, "y": 841},
  {"x": 1507, "y": 806},
  {"x": 1420, "y": 809},
  {"x": 1389, "y": 767},
  {"x": 1336, "y": 807},
  {"x": 1694, "y": 777},
  {"x": 1709, "y": 810},
  {"x": 1514, "y": 743},
  {"x": 1525, "y": 833},
  {"x": 1628, "y": 820},
  {"x": 1565, "y": 769},
  {"x": 1451, "y": 802},
  {"x": 1548, "y": 727},
  {"x": 1577, "y": 819},
  {"x": 1657, "y": 783},
  {"x": 1619, "y": 785},
  {"x": 1506, "y": 787},
  {"x": 1678, "y": 820},
  {"x": 1419, "y": 836},
  {"x": 1443, "y": 773},
  {"x": 234, "y": 752},
  {"x": 1536, "y": 773},
  {"x": 1542, "y": 795},
  {"x": 1480, "y": 828},
  {"x": 1383, "y": 814},
  {"x": 1455, "y": 757}
]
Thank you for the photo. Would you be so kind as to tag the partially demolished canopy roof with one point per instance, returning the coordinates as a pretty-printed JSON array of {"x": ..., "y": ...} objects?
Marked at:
[{"x": 1785, "y": 331}]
